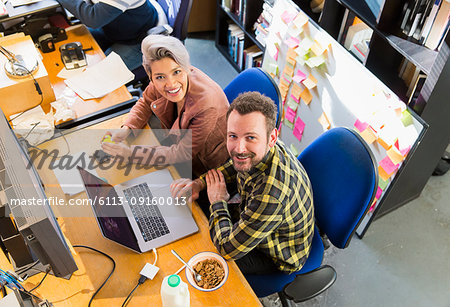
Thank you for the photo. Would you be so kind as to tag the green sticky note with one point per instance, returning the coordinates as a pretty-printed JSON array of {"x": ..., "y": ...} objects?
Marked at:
[
  {"x": 406, "y": 118},
  {"x": 291, "y": 103},
  {"x": 294, "y": 150},
  {"x": 289, "y": 124},
  {"x": 382, "y": 183}
]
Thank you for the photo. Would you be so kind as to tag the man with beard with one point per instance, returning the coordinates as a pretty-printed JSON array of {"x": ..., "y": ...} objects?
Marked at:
[{"x": 275, "y": 223}]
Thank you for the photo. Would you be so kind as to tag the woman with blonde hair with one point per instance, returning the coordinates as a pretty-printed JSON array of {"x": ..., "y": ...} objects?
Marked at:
[{"x": 190, "y": 106}]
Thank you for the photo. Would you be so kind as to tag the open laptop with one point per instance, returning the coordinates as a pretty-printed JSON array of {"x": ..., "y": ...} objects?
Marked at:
[{"x": 139, "y": 213}]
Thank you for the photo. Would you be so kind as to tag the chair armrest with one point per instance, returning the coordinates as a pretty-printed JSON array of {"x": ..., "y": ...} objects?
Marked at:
[
  {"x": 311, "y": 284},
  {"x": 163, "y": 30}
]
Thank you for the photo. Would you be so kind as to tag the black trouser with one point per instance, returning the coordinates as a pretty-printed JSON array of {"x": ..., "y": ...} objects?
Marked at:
[{"x": 256, "y": 262}]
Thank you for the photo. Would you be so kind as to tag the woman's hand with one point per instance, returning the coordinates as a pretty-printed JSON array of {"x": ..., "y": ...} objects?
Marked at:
[
  {"x": 119, "y": 149},
  {"x": 216, "y": 186},
  {"x": 119, "y": 135}
]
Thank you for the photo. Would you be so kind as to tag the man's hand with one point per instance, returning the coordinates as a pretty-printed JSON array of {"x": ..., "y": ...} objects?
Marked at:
[
  {"x": 119, "y": 149},
  {"x": 216, "y": 186},
  {"x": 187, "y": 188}
]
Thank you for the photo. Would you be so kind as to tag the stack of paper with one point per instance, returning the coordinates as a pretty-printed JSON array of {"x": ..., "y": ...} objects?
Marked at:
[{"x": 102, "y": 78}]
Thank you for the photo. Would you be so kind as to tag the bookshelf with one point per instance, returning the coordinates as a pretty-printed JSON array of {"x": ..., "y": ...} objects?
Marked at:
[
  {"x": 236, "y": 18},
  {"x": 388, "y": 47}
]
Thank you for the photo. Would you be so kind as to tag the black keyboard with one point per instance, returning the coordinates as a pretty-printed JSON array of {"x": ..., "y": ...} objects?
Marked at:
[{"x": 148, "y": 217}]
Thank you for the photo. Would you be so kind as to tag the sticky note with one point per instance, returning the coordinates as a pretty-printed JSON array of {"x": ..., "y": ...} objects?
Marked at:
[
  {"x": 305, "y": 45},
  {"x": 306, "y": 96},
  {"x": 383, "y": 143},
  {"x": 296, "y": 91},
  {"x": 292, "y": 104},
  {"x": 388, "y": 166},
  {"x": 395, "y": 155},
  {"x": 294, "y": 31},
  {"x": 291, "y": 62},
  {"x": 272, "y": 69},
  {"x": 289, "y": 124},
  {"x": 294, "y": 150},
  {"x": 379, "y": 192},
  {"x": 300, "y": 60},
  {"x": 287, "y": 77},
  {"x": 290, "y": 115},
  {"x": 298, "y": 128},
  {"x": 361, "y": 126},
  {"x": 310, "y": 82},
  {"x": 382, "y": 183},
  {"x": 300, "y": 20},
  {"x": 406, "y": 118},
  {"x": 369, "y": 135},
  {"x": 291, "y": 54},
  {"x": 382, "y": 174},
  {"x": 317, "y": 48},
  {"x": 315, "y": 61},
  {"x": 292, "y": 42},
  {"x": 272, "y": 49},
  {"x": 288, "y": 70},
  {"x": 405, "y": 151},
  {"x": 323, "y": 120},
  {"x": 299, "y": 76},
  {"x": 287, "y": 17}
]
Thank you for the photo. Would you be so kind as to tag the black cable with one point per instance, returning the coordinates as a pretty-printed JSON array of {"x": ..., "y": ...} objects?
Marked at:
[
  {"x": 125, "y": 302},
  {"x": 3, "y": 290},
  {"x": 142, "y": 279},
  {"x": 42, "y": 280},
  {"x": 49, "y": 155},
  {"x": 38, "y": 89},
  {"x": 22, "y": 270},
  {"x": 107, "y": 278}
]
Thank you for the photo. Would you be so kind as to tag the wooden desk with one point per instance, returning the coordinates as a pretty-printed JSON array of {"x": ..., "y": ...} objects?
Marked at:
[
  {"x": 94, "y": 268},
  {"x": 53, "y": 64}
]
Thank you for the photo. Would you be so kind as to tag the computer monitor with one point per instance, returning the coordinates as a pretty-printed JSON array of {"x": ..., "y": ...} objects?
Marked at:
[{"x": 21, "y": 189}]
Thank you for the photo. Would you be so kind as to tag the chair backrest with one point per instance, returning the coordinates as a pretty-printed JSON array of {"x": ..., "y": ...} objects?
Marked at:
[
  {"x": 344, "y": 179},
  {"x": 177, "y": 12},
  {"x": 255, "y": 80}
]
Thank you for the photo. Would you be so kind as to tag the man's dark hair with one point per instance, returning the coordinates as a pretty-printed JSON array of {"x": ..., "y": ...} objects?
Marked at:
[{"x": 250, "y": 102}]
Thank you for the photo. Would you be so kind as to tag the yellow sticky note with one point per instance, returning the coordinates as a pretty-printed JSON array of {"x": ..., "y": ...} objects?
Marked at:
[
  {"x": 395, "y": 155},
  {"x": 315, "y": 61},
  {"x": 300, "y": 20},
  {"x": 306, "y": 96},
  {"x": 310, "y": 82},
  {"x": 382, "y": 173},
  {"x": 296, "y": 90},
  {"x": 323, "y": 120},
  {"x": 292, "y": 62},
  {"x": 369, "y": 135},
  {"x": 291, "y": 54},
  {"x": 317, "y": 48},
  {"x": 288, "y": 71}
]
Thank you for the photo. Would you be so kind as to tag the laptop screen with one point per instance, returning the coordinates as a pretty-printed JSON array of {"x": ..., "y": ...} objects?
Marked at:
[{"x": 112, "y": 219}]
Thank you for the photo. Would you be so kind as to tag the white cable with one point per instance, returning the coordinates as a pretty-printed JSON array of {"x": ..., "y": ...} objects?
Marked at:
[{"x": 156, "y": 256}]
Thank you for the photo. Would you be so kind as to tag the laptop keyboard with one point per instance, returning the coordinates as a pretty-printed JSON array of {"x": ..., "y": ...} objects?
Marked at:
[{"x": 148, "y": 217}]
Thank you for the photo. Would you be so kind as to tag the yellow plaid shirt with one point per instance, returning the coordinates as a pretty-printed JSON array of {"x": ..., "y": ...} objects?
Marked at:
[{"x": 276, "y": 213}]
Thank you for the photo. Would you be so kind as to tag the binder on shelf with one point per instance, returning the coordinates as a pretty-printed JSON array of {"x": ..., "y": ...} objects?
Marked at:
[{"x": 440, "y": 26}]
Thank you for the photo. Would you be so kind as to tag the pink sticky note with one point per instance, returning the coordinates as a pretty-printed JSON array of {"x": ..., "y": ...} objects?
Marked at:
[
  {"x": 405, "y": 151},
  {"x": 299, "y": 76},
  {"x": 290, "y": 115},
  {"x": 388, "y": 166},
  {"x": 292, "y": 42},
  {"x": 298, "y": 128},
  {"x": 295, "y": 98},
  {"x": 287, "y": 17},
  {"x": 396, "y": 144},
  {"x": 361, "y": 126},
  {"x": 379, "y": 191}
]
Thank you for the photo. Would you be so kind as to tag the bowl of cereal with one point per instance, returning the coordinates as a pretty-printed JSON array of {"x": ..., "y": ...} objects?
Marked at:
[{"x": 212, "y": 267}]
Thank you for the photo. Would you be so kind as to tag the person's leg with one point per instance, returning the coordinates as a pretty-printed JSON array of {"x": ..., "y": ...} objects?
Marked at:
[
  {"x": 256, "y": 262},
  {"x": 130, "y": 54}
]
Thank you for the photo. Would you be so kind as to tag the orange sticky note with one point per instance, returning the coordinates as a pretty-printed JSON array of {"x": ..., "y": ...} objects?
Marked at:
[
  {"x": 310, "y": 82},
  {"x": 292, "y": 62},
  {"x": 382, "y": 173},
  {"x": 288, "y": 71},
  {"x": 296, "y": 90},
  {"x": 317, "y": 48},
  {"x": 306, "y": 96},
  {"x": 323, "y": 120},
  {"x": 383, "y": 143},
  {"x": 291, "y": 54},
  {"x": 369, "y": 135},
  {"x": 395, "y": 155},
  {"x": 300, "y": 20}
]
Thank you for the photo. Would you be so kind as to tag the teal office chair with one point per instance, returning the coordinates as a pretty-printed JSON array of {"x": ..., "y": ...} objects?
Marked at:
[
  {"x": 255, "y": 80},
  {"x": 344, "y": 179}
]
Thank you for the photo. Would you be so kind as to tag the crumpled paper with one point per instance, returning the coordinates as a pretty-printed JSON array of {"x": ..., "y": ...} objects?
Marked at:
[{"x": 34, "y": 125}]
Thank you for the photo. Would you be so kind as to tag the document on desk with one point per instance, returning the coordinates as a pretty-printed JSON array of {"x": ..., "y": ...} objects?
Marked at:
[
  {"x": 16, "y": 3},
  {"x": 102, "y": 78}
]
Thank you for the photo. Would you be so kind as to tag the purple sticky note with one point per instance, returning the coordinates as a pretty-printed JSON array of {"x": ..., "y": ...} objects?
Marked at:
[
  {"x": 290, "y": 114},
  {"x": 388, "y": 166},
  {"x": 298, "y": 128},
  {"x": 299, "y": 76},
  {"x": 379, "y": 191},
  {"x": 361, "y": 126}
]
